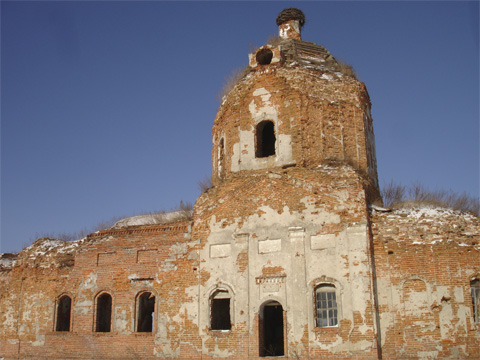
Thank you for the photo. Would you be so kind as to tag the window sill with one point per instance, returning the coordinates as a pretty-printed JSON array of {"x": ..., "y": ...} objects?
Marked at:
[
  {"x": 327, "y": 329},
  {"x": 219, "y": 333},
  {"x": 146, "y": 334},
  {"x": 61, "y": 333}
]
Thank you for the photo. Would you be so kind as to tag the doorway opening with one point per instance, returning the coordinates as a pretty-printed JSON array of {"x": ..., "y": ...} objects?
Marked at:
[{"x": 271, "y": 330}]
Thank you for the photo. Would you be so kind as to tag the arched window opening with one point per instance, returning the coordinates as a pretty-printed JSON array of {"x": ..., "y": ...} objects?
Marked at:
[
  {"x": 64, "y": 310},
  {"x": 145, "y": 312},
  {"x": 271, "y": 330},
  {"x": 265, "y": 139},
  {"x": 326, "y": 306},
  {"x": 104, "y": 313},
  {"x": 475, "y": 288},
  {"x": 221, "y": 159},
  {"x": 220, "y": 311}
]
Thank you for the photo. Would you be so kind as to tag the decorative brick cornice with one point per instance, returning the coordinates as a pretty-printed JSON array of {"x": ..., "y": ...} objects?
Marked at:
[{"x": 142, "y": 229}]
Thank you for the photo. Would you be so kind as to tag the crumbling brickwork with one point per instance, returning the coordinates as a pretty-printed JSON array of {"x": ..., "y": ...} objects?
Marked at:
[
  {"x": 287, "y": 255},
  {"x": 318, "y": 116},
  {"x": 160, "y": 259},
  {"x": 299, "y": 228},
  {"x": 425, "y": 260}
]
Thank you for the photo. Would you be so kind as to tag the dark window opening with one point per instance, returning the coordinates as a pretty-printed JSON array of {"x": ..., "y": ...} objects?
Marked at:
[
  {"x": 220, "y": 311},
  {"x": 64, "y": 308},
  {"x": 271, "y": 334},
  {"x": 475, "y": 288},
  {"x": 264, "y": 57},
  {"x": 104, "y": 313},
  {"x": 221, "y": 155},
  {"x": 146, "y": 312},
  {"x": 265, "y": 142},
  {"x": 326, "y": 306}
]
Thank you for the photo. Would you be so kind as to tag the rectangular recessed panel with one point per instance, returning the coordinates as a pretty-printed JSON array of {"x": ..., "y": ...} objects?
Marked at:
[
  {"x": 270, "y": 288},
  {"x": 147, "y": 256},
  {"x": 220, "y": 250},
  {"x": 324, "y": 241},
  {"x": 268, "y": 246},
  {"x": 106, "y": 258}
]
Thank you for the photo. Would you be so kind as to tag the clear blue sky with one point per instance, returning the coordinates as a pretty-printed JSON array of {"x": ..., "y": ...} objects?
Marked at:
[{"x": 107, "y": 107}]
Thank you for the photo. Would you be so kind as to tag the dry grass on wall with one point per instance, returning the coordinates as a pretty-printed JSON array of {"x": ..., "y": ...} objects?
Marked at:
[{"x": 397, "y": 195}]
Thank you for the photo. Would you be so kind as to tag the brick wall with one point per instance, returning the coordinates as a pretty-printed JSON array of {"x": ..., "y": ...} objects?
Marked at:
[
  {"x": 425, "y": 260},
  {"x": 160, "y": 259}
]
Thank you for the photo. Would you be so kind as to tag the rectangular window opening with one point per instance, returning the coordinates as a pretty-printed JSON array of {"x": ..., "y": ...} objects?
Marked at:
[
  {"x": 220, "y": 314},
  {"x": 326, "y": 306}
]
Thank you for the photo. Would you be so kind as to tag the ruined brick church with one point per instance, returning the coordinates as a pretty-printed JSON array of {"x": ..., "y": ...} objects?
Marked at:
[{"x": 289, "y": 254}]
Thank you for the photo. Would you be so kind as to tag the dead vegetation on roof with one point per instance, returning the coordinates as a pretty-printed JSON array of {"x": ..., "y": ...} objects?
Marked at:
[
  {"x": 205, "y": 184},
  {"x": 231, "y": 80},
  {"x": 273, "y": 40},
  {"x": 346, "y": 69},
  {"x": 397, "y": 196},
  {"x": 182, "y": 212}
]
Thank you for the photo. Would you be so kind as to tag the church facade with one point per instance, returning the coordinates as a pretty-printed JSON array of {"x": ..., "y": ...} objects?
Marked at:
[{"x": 289, "y": 254}]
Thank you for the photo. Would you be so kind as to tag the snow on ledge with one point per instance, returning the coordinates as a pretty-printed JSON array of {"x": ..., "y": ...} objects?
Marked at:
[
  {"x": 416, "y": 212},
  {"x": 7, "y": 261},
  {"x": 46, "y": 245},
  {"x": 153, "y": 219}
]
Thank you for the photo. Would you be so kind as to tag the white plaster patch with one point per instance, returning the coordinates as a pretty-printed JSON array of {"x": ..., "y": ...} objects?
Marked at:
[
  {"x": 286, "y": 27},
  {"x": 425, "y": 355},
  {"x": 458, "y": 293},
  {"x": 243, "y": 158},
  {"x": 121, "y": 321},
  {"x": 221, "y": 353},
  {"x": 39, "y": 340},
  {"x": 351, "y": 346},
  {"x": 9, "y": 318},
  {"x": 166, "y": 351},
  {"x": 83, "y": 306},
  {"x": 84, "y": 302},
  {"x": 463, "y": 312},
  {"x": 263, "y": 93},
  {"x": 89, "y": 283}
]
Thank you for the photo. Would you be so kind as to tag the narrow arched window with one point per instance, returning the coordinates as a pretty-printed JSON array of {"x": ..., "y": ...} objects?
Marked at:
[
  {"x": 103, "y": 319},
  {"x": 475, "y": 288},
  {"x": 221, "y": 159},
  {"x": 265, "y": 139},
  {"x": 145, "y": 312},
  {"x": 64, "y": 310},
  {"x": 220, "y": 311},
  {"x": 326, "y": 305}
]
